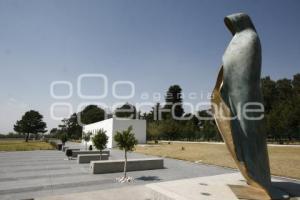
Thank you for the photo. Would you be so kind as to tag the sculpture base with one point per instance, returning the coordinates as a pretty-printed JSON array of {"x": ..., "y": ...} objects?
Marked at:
[
  {"x": 218, "y": 187},
  {"x": 248, "y": 192},
  {"x": 225, "y": 187}
]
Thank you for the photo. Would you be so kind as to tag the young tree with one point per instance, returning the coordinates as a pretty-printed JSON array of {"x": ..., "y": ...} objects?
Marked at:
[
  {"x": 100, "y": 140},
  {"x": 64, "y": 138},
  {"x": 31, "y": 122},
  {"x": 125, "y": 141},
  {"x": 86, "y": 137}
]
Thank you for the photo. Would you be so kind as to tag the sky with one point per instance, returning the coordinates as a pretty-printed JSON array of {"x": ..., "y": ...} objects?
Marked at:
[{"x": 149, "y": 44}]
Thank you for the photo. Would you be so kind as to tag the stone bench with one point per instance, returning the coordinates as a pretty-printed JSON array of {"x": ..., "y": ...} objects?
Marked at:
[
  {"x": 70, "y": 149},
  {"x": 76, "y": 153},
  {"x": 87, "y": 158},
  {"x": 112, "y": 166}
]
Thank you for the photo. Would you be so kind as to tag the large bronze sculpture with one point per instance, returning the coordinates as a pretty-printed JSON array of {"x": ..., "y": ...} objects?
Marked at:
[{"x": 238, "y": 83}]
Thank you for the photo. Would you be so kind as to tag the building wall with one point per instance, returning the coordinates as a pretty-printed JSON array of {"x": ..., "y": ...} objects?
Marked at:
[
  {"x": 112, "y": 125},
  {"x": 138, "y": 128},
  {"x": 106, "y": 125}
]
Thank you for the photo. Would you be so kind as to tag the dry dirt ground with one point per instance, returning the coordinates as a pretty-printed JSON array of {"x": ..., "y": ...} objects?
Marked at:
[
  {"x": 21, "y": 145},
  {"x": 284, "y": 160}
]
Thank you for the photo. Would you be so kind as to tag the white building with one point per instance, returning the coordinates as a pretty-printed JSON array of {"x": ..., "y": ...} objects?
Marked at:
[{"x": 112, "y": 125}]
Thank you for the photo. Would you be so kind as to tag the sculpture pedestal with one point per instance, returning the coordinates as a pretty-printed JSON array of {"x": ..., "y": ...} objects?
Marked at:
[
  {"x": 248, "y": 192},
  {"x": 200, "y": 188},
  {"x": 226, "y": 187}
]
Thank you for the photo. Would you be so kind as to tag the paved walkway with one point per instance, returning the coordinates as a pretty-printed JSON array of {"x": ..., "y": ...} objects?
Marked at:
[
  {"x": 31, "y": 174},
  {"x": 200, "y": 188}
]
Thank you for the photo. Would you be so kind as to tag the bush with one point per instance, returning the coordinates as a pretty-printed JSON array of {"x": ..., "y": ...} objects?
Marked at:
[
  {"x": 69, "y": 153},
  {"x": 59, "y": 147}
]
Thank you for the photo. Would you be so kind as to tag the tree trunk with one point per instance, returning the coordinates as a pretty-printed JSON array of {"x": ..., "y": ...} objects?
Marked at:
[
  {"x": 125, "y": 164},
  {"x": 85, "y": 145},
  {"x": 27, "y": 136},
  {"x": 100, "y": 154}
]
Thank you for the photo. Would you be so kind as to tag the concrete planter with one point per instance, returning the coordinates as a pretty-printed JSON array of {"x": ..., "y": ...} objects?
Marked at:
[
  {"x": 87, "y": 158},
  {"x": 112, "y": 166},
  {"x": 77, "y": 152}
]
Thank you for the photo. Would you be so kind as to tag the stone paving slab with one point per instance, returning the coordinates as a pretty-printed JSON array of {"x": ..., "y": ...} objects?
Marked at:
[
  {"x": 132, "y": 193},
  {"x": 214, "y": 187},
  {"x": 200, "y": 188},
  {"x": 47, "y": 181},
  {"x": 203, "y": 188},
  {"x": 41, "y": 176},
  {"x": 33, "y": 174},
  {"x": 27, "y": 175}
]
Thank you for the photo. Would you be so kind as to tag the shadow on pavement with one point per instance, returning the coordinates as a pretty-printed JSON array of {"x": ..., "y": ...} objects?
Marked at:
[
  {"x": 292, "y": 188},
  {"x": 148, "y": 178}
]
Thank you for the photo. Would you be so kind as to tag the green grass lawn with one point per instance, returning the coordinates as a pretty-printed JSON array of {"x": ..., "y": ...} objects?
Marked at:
[{"x": 21, "y": 145}]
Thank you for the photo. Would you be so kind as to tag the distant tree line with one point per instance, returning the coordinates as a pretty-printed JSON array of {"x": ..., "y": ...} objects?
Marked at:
[
  {"x": 282, "y": 117},
  {"x": 282, "y": 108},
  {"x": 71, "y": 126},
  {"x": 162, "y": 123},
  {"x": 281, "y": 100},
  {"x": 12, "y": 135}
]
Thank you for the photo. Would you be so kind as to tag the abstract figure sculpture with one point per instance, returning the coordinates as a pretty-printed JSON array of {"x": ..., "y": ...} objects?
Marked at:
[{"x": 238, "y": 84}]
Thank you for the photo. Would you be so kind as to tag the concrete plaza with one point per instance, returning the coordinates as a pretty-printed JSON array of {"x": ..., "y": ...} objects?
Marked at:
[
  {"x": 32, "y": 174},
  {"x": 49, "y": 175}
]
